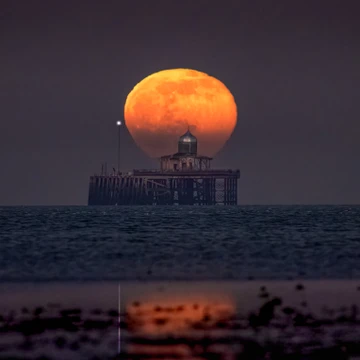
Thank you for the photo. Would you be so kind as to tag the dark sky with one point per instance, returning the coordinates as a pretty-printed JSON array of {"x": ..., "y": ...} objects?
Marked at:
[{"x": 293, "y": 67}]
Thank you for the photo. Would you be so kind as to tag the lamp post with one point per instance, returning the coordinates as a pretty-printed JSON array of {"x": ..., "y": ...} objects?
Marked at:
[{"x": 118, "y": 123}]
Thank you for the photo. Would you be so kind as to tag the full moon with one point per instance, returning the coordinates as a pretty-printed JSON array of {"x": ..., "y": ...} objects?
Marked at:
[{"x": 164, "y": 105}]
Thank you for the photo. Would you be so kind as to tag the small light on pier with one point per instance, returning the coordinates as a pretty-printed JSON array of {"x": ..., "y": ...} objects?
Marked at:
[{"x": 118, "y": 123}]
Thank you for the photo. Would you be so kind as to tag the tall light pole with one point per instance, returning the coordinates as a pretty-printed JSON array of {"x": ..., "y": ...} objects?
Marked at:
[{"x": 118, "y": 123}]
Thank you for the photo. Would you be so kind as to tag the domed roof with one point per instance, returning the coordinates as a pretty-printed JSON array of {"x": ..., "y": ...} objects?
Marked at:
[
  {"x": 187, "y": 144},
  {"x": 188, "y": 137}
]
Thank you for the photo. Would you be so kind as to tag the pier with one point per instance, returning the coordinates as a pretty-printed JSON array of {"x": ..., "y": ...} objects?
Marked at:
[
  {"x": 184, "y": 178},
  {"x": 144, "y": 187}
]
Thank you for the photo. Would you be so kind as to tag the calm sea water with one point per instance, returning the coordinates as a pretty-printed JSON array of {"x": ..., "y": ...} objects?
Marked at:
[{"x": 244, "y": 242}]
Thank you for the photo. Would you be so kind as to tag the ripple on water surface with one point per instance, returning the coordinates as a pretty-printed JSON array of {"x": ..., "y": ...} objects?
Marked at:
[{"x": 243, "y": 242}]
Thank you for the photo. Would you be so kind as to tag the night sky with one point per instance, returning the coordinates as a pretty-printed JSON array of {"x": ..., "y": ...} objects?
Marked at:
[{"x": 292, "y": 66}]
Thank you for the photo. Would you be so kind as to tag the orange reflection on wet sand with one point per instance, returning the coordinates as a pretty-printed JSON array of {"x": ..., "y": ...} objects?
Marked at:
[
  {"x": 175, "y": 316},
  {"x": 179, "y": 317}
]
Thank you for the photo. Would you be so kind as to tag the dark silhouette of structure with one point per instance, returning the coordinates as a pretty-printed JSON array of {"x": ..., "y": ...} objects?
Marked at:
[{"x": 184, "y": 178}]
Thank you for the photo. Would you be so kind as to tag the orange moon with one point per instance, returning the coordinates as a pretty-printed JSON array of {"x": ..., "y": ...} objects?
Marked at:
[{"x": 165, "y": 104}]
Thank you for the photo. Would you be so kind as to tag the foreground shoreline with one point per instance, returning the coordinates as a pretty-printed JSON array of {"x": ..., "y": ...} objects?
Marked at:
[
  {"x": 105, "y": 293},
  {"x": 243, "y": 318}
]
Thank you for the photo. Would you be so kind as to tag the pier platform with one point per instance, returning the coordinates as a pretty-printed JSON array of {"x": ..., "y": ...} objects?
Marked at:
[{"x": 156, "y": 187}]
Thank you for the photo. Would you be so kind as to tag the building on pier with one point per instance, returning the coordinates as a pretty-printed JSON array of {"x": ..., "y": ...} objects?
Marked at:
[{"x": 184, "y": 178}]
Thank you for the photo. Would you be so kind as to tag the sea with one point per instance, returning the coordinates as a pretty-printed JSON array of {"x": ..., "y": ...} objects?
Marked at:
[{"x": 81, "y": 243}]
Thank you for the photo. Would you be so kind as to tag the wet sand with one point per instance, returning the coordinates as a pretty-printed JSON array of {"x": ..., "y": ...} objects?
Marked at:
[{"x": 253, "y": 319}]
